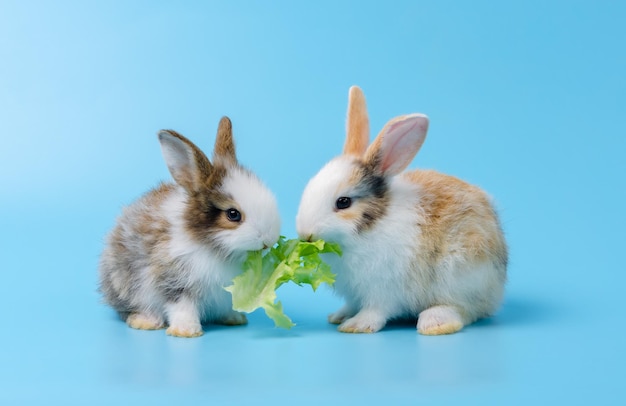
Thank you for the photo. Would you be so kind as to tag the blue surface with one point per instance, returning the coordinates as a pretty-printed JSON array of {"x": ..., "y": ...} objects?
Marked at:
[{"x": 527, "y": 99}]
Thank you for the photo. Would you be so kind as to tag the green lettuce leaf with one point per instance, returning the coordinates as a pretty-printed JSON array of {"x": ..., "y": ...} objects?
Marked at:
[{"x": 289, "y": 260}]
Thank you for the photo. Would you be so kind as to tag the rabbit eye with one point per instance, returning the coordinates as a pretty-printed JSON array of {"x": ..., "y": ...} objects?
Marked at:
[
  {"x": 233, "y": 215},
  {"x": 343, "y": 203}
]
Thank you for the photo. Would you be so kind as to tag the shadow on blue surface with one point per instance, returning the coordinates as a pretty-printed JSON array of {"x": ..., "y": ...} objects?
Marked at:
[
  {"x": 518, "y": 311},
  {"x": 514, "y": 312}
]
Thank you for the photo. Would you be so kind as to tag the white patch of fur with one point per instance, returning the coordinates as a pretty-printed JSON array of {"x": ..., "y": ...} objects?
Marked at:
[
  {"x": 316, "y": 217},
  {"x": 440, "y": 320},
  {"x": 476, "y": 288},
  {"x": 261, "y": 225},
  {"x": 373, "y": 272}
]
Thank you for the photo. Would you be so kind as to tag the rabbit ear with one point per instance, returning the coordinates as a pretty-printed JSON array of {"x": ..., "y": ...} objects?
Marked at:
[
  {"x": 224, "y": 151},
  {"x": 397, "y": 144},
  {"x": 187, "y": 164},
  {"x": 357, "y": 124}
]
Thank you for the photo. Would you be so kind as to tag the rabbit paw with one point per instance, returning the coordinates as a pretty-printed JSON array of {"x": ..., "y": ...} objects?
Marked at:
[
  {"x": 439, "y": 320},
  {"x": 142, "y": 321},
  {"x": 188, "y": 331},
  {"x": 341, "y": 315},
  {"x": 363, "y": 322},
  {"x": 183, "y": 319}
]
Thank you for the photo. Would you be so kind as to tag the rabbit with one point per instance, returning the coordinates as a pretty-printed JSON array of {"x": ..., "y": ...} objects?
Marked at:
[
  {"x": 167, "y": 259},
  {"x": 418, "y": 245}
]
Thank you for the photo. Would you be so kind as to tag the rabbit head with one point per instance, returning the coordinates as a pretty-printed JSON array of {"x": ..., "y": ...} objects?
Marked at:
[
  {"x": 349, "y": 195},
  {"x": 227, "y": 206}
]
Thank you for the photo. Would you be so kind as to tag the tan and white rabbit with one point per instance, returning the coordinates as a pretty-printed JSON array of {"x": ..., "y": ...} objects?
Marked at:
[
  {"x": 171, "y": 252},
  {"x": 417, "y": 244}
]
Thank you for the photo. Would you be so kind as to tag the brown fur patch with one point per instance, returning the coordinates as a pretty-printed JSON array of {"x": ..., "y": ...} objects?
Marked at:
[
  {"x": 456, "y": 215},
  {"x": 369, "y": 197},
  {"x": 224, "y": 150},
  {"x": 349, "y": 215},
  {"x": 215, "y": 179},
  {"x": 148, "y": 223},
  {"x": 205, "y": 215},
  {"x": 138, "y": 238},
  {"x": 357, "y": 124},
  {"x": 224, "y": 223}
]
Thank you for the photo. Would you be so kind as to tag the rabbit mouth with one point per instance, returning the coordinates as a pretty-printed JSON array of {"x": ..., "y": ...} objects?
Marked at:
[
  {"x": 316, "y": 236},
  {"x": 309, "y": 238}
]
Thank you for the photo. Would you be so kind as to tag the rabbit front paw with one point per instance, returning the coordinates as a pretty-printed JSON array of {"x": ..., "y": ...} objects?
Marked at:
[
  {"x": 183, "y": 319},
  {"x": 364, "y": 322},
  {"x": 144, "y": 321},
  {"x": 341, "y": 315},
  {"x": 187, "y": 331}
]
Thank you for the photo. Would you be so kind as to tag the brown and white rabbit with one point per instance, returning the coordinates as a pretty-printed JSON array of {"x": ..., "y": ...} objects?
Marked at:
[
  {"x": 171, "y": 252},
  {"x": 415, "y": 244}
]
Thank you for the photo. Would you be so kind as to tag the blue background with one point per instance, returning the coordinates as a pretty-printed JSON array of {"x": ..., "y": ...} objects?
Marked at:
[{"x": 526, "y": 98}]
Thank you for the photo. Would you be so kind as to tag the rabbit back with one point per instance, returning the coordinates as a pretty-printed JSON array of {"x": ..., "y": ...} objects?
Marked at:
[{"x": 461, "y": 254}]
